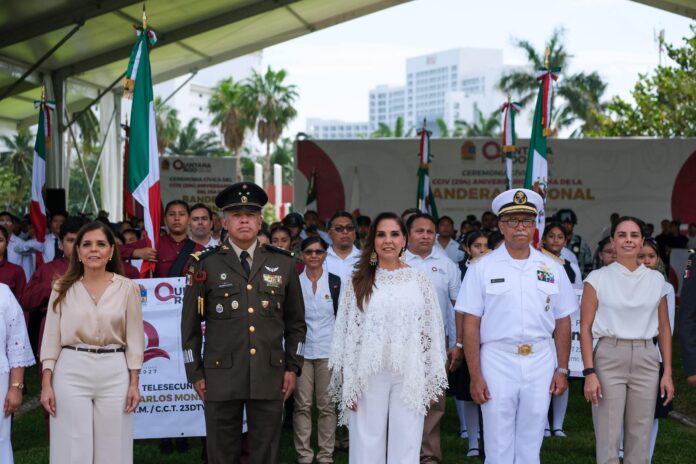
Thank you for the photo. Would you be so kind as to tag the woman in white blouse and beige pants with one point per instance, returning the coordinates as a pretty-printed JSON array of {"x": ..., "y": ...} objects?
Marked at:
[
  {"x": 624, "y": 306},
  {"x": 92, "y": 352}
]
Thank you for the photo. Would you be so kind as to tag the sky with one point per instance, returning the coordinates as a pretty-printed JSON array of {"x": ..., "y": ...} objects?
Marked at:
[{"x": 335, "y": 68}]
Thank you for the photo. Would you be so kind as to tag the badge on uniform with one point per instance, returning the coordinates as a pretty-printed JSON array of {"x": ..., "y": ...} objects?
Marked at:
[
  {"x": 235, "y": 304},
  {"x": 223, "y": 276},
  {"x": 200, "y": 276},
  {"x": 189, "y": 280},
  {"x": 272, "y": 269},
  {"x": 548, "y": 303},
  {"x": 273, "y": 280},
  {"x": 544, "y": 275},
  {"x": 219, "y": 309},
  {"x": 264, "y": 303},
  {"x": 434, "y": 269}
]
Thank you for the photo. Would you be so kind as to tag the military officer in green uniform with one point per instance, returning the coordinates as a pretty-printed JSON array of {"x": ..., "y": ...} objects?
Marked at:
[{"x": 250, "y": 299}]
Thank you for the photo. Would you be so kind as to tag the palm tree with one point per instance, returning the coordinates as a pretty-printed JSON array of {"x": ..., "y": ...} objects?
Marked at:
[
  {"x": 273, "y": 102},
  {"x": 19, "y": 157},
  {"x": 481, "y": 126},
  {"x": 167, "y": 123},
  {"x": 189, "y": 143},
  {"x": 384, "y": 131},
  {"x": 579, "y": 93},
  {"x": 230, "y": 109},
  {"x": 442, "y": 127}
]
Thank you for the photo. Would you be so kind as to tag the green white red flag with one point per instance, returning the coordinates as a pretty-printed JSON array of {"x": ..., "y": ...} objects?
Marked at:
[
  {"x": 142, "y": 174},
  {"x": 537, "y": 174},
  {"x": 311, "y": 203},
  {"x": 426, "y": 200},
  {"x": 37, "y": 208},
  {"x": 510, "y": 110}
]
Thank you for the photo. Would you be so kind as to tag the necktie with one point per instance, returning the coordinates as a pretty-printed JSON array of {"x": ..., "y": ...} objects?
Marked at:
[
  {"x": 57, "y": 252},
  {"x": 243, "y": 256}
]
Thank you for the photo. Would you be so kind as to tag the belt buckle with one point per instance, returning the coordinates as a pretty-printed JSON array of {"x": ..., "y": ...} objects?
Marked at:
[{"x": 524, "y": 350}]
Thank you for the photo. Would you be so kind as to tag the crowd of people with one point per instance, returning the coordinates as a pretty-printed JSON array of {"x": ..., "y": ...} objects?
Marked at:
[{"x": 370, "y": 321}]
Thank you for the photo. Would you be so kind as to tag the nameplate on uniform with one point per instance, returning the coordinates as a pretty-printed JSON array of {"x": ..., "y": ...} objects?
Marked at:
[
  {"x": 544, "y": 275},
  {"x": 225, "y": 285},
  {"x": 497, "y": 281},
  {"x": 273, "y": 280}
]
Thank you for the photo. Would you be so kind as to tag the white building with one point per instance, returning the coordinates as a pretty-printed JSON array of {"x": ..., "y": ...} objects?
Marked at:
[
  {"x": 451, "y": 83},
  {"x": 327, "y": 129},
  {"x": 387, "y": 104}
]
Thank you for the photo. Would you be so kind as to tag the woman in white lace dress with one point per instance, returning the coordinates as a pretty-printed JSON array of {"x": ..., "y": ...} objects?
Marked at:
[
  {"x": 387, "y": 357},
  {"x": 15, "y": 355}
]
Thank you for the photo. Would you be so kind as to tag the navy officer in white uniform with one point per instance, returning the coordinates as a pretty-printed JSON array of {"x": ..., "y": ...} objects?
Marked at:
[{"x": 514, "y": 299}]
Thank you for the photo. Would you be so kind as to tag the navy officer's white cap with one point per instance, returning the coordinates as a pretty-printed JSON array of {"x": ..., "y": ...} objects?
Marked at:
[{"x": 518, "y": 201}]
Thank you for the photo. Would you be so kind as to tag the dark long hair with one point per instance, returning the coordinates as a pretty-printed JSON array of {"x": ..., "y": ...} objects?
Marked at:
[
  {"x": 364, "y": 275},
  {"x": 76, "y": 269},
  {"x": 5, "y": 234}
]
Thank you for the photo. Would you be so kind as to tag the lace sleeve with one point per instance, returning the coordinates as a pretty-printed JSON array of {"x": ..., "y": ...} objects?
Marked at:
[
  {"x": 432, "y": 340},
  {"x": 19, "y": 352}
]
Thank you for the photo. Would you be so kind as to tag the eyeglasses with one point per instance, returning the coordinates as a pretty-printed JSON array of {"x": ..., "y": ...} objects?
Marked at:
[
  {"x": 514, "y": 222},
  {"x": 341, "y": 229},
  {"x": 313, "y": 252}
]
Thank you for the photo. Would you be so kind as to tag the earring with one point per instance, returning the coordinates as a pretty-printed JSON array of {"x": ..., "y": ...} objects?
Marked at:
[
  {"x": 110, "y": 258},
  {"x": 373, "y": 259}
]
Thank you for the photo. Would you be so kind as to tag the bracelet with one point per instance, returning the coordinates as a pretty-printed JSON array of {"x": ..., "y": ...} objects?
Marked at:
[
  {"x": 588, "y": 371},
  {"x": 563, "y": 371}
]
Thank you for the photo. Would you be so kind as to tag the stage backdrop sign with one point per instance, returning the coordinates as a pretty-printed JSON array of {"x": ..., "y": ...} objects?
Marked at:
[
  {"x": 649, "y": 178},
  {"x": 170, "y": 406},
  {"x": 194, "y": 179}
]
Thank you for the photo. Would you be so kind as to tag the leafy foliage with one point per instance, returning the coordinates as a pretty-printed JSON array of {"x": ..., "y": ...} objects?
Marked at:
[
  {"x": 167, "y": 123},
  {"x": 190, "y": 143},
  {"x": 482, "y": 126},
  {"x": 384, "y": 131},
  {"x": 16, "y": 162}
]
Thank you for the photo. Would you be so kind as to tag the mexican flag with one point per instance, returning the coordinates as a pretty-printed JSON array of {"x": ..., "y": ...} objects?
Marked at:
[
  {"x": 537, "y": 175},
  {"x": 37, "y": 208},
  {"x": 426, "y": 200},
  {"x": 142, "y": 173}
]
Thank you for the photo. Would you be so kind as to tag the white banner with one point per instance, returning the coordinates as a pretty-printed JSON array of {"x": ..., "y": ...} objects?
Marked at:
[
  {"x": 170, "y": 406},
  {"x": 195, "y": 179}
]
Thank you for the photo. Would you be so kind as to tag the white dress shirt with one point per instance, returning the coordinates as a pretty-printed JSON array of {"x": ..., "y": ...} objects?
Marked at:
[
  {"x": 213, "y": 242},
  {"x": 319, "y": 316},
  {"x": 21, "y": 252},
  {"x": 446, "y": 278},
  {"x": 49, "y": 251},
  {"x": 343, "y": 268},
  {"x": 568, "y": 255},
  {"x": 518, "y": 301},
  {"x": 452, "y": 249},
  {"x": 15, "y": 349}
]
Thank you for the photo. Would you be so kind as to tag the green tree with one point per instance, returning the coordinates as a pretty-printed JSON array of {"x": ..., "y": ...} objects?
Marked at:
[
  {"x": 664, "y": 101},
  {"x": 18, "y": 159},
  {"x": 481, "y": 126},
  {"x": 167, "y": 123},
  {"x": 577, "y": 97},
  {"x": 384, "y": 131},
  {"x": 190, "y": 143},
  {"x": 8, "y": 189},
  {"x": 284, "y": 155},
  {"x": 88, "y": 144},
  {"x": 273, "y": 102}
]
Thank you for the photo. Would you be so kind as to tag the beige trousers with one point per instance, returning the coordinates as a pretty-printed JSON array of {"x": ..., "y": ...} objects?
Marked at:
[
  {"x": 90, "y": 425},
  {"x": 431, "y": 450},
  {"x": 314, "y": 381},
  {"x": 628, "y": 374}
]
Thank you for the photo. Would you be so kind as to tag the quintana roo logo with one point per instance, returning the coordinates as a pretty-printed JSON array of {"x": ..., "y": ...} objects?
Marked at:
[{"x": 152, "y": 349}]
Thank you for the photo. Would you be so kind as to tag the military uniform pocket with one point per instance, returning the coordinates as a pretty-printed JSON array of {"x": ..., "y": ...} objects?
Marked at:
[
  {"x": 223, "y": 303},
  {"x": 277, "y": 358},
  {"x": 272, "y": 299},
  {"x": 217, "y": 361}
]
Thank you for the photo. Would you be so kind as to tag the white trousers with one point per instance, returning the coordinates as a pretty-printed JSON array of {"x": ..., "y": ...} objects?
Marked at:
[
  {"x": 383, "y": 430},
  {"x": 5, "y": 424},
  {"x": 90, "y": 426},
  {"x": 515, "y": 416}
]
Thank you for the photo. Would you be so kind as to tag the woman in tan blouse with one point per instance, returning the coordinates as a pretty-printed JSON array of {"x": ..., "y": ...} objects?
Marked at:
[{"x": 92, "y": 352}]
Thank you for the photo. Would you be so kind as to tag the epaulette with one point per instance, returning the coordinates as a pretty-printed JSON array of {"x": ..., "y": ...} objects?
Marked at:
[
  {"x": 274, "y": 249},
  {"x": 558, "y": 259},
  {"x": 472, "y": 261},
  {"x": 200, "y": 255}
]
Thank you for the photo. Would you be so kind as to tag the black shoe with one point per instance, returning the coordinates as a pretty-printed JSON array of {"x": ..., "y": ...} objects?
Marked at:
[
  {"x": 181, "y": 445},
  {"x": 166, "y": 446}
]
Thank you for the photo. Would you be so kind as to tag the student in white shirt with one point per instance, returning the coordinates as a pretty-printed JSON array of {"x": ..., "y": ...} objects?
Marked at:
[
  {"x": 446, "y": 241},
  {"x": 201, "y": 226},
  {"x": 51, "y": 249},
  {"x": 342, "y": 254},
  {"x": 320, "y": 291},
  {"x": 20, "y": 252},
  {"x": 624, "y": 306}
]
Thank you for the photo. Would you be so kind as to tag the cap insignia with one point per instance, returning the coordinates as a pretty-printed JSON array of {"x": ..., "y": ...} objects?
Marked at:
[
  {"x": 244, "y": 199},
  {"x": 520, "y": 198}
]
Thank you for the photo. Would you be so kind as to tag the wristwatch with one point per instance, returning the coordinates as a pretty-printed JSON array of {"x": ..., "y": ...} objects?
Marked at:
[
  {"x": 588, "y": 371},
  {"x": 18, "y": 385},
  {"x": 563, "y": 371}
]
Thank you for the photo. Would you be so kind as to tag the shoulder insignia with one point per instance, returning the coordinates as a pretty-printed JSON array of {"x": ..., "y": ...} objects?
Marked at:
[
  {"x": 200, "y": 255},
  {"x": 558, "y": 259},
  {"x": 281, "y": 251},
  {"x": 478, "y": 258}
]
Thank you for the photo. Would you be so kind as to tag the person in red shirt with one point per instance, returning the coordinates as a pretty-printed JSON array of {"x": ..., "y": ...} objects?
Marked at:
[
  {"x": 174, "y": 249},
  {"x": 10, "y": 274}
]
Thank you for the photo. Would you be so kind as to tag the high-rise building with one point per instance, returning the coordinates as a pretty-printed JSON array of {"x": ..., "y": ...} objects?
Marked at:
[
  {"x": 451, "y": 84},
  {"x": 326, "y": 129},
  {"x": 387, "y": 104}
]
